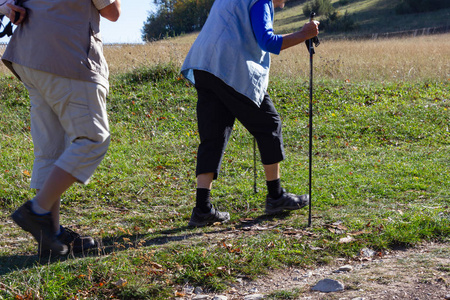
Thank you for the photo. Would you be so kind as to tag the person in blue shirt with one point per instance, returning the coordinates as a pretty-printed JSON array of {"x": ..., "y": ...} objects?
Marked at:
[{"x": 229, "y": 65}]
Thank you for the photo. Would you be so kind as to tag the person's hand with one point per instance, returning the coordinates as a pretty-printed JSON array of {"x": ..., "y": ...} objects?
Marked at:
[
  {"x": 308, "y": 31},
  {"x": 311, "y": 29},
  {"x": 14, "y": 11}
]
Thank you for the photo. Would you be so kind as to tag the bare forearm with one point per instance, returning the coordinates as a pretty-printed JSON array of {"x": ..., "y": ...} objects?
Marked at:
[
  {"x": 307, "y": 32},
  {"x": 112, "y": 11}
]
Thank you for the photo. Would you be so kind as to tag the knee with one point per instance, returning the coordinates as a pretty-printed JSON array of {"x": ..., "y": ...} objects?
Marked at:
[
  {"x": 94, "y": 146},
  {"x": 102, "y": 143}
]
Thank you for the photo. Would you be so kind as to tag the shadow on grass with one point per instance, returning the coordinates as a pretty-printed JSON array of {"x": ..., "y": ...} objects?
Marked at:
[{"x": 108, "y": 245}]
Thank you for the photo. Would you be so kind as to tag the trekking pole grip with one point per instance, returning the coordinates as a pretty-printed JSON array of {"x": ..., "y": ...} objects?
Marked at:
[{"x": 313, "y": 41}]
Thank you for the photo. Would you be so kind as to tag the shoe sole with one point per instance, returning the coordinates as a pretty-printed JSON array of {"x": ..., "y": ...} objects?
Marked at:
[
  {"x": 194, "y": 224},
  {"x": 281, "y": 209},
  {"x": 74, "y": 250}
]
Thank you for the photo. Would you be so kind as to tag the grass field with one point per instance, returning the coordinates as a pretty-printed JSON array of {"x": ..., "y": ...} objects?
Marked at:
[{"x": 380, "y": 173}]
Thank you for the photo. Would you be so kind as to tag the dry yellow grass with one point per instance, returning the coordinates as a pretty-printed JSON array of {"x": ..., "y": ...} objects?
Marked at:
[
  {"x": 406, "y": 59},
  {"x": 123, "y": 58},
  {"x": 403, "y": 59}
]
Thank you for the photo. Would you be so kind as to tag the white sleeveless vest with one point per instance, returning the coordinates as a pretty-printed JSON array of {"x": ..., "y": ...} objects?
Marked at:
[{"x": 227, "y": 48}]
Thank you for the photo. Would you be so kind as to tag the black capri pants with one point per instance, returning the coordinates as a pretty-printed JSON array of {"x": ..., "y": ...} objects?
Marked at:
[{"x": 218, "y": 106}]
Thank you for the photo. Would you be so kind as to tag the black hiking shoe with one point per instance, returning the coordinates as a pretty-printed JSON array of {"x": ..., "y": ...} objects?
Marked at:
[
  {"x": 287, "y": 201},
  {"x": 199, "y": 219},
  {"x": 40, "y": 227},
  {"x": 74, "y": 242}
]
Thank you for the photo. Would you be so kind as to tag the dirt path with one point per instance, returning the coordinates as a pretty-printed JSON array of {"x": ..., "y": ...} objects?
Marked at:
[{"x": 419, "y": 273}]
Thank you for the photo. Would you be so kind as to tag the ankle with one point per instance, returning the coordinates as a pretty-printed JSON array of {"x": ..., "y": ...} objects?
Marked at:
[
  {"x": 203, "y": 200},
  {"x": 37, "y": 209},
  {"x": 274, "y": 188},
  {"x": 59, "y": 231},
  {"x": 204, "y": 207}
]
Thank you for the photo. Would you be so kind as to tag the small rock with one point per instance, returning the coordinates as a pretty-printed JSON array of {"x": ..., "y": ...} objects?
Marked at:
[
  {"x": 328, "y": 285},
  {"x": 254, "y": 297},
  {"x": 200, "y": 297},
  {"x": 188, "y": 289},
  {"x": 359, "y": 298},
  {"x": 253, "y": 290},
  {"x": 220, "y": 297},
  {"x": 198, "y": 290},
  {"x": 346, "y": 240},
  {"x": 366, "y": 252},
  {"x": 346, "y": 268},
  {"x": 441, "y": 280},
  {"x": 308, "y": 274},
  {"x": 447, "y": 297}
]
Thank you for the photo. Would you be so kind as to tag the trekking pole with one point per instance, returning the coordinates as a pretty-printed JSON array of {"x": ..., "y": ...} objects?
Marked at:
[
  {"x": 255, "y": 189},
  {"x": 310, "y": 46}
]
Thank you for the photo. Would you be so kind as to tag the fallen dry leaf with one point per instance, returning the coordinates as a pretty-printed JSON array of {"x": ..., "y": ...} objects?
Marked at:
[
  {"x": 120, "y": 283},
  {"x": 346, "y": 240}
]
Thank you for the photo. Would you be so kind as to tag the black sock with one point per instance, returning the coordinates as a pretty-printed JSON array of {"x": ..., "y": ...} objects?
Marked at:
[
  {"x": 203, "y": 200},
  {"x": 274, "y": 188}
]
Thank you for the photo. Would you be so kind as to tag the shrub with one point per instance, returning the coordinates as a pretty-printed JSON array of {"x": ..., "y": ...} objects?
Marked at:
[
  {"x": 343, "y": 2},
  {"x": 418, "y": 6},
  {"x": 320, "y": 7},
  {"x": 335, "y": 21}
]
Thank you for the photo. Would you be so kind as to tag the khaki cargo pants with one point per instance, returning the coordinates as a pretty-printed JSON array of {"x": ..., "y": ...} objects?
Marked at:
[{"x": 69, "y": 124}]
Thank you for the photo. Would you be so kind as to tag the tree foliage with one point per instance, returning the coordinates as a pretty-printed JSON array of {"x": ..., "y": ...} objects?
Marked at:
[{"x": 175, "y": 17}]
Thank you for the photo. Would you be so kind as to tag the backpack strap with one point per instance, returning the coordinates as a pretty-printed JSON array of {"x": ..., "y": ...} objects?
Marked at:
[{"x": 7, "y": 29}]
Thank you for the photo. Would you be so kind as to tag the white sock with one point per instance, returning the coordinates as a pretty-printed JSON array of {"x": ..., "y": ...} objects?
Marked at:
[{"x": 37, "y": 209}]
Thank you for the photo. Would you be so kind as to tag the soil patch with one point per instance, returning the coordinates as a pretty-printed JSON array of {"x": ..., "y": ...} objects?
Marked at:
[{"x": 418, "y": 273}]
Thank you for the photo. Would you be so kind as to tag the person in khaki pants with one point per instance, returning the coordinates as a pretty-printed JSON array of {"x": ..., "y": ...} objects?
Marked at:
[{"x": 57, "y": 52}]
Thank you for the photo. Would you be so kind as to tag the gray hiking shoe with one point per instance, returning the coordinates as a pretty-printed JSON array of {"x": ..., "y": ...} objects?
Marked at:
[
  {"x": 74, "y": 242},
  {"x": 40, "y": 227},
  {"x": 287, "y": 201},
  {"x": 199, "y": 219}
]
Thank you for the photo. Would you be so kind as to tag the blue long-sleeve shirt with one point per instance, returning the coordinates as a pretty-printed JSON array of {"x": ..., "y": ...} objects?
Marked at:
[{"x": 261, "y": 15}]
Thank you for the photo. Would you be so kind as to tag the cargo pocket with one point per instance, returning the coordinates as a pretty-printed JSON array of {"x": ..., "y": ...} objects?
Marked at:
[{"x": 81, "y": 121}]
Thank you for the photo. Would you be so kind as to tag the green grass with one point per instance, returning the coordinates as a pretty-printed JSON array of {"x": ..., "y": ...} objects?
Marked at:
[{"x": 380, "y": 175}]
